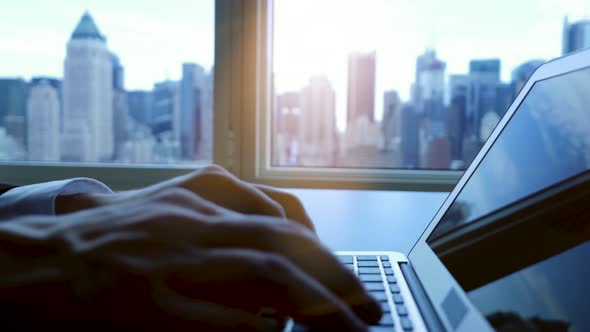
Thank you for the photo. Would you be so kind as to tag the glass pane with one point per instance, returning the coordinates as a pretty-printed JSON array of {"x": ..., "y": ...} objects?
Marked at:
[
  {"x": 107, "y": 81},
  {"x": 406, "y": 84}
]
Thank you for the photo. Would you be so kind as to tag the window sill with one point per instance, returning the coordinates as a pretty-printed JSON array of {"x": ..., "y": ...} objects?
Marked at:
[{"x": 116, "y": 176}]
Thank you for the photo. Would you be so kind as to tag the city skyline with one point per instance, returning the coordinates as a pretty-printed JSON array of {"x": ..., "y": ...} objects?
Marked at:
[
  {"x": 398, "y": 31},
  {"x": 441, "y": 123},
  {"x": 84, "y": 115},
  {"x": 152, "y": 41}
]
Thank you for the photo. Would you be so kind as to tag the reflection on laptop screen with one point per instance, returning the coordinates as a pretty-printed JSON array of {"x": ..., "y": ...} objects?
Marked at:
[{"x": 515, "y": 238}]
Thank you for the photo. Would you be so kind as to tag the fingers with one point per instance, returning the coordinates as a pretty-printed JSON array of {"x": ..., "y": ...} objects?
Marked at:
[
  {"x": 189, "y": 200},
  {"x": 217, "y": 185},
  {"x": 241, "y": 277},
  {"x": 299, "y": 246},
  {"x": 294, "y": 210}
]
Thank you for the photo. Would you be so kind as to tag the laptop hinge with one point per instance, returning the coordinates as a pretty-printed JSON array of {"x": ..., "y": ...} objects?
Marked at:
[{"x": 429, "y": 315}]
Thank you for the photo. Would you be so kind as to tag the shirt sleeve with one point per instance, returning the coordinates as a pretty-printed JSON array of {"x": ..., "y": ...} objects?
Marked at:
[{"x": 40, "y": 198}]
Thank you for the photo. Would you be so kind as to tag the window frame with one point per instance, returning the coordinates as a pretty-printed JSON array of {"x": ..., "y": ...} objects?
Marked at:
[{"x": 242, "y": 125}]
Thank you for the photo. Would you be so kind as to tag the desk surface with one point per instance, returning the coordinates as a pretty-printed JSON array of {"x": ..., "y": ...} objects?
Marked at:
[{"x": 370, "y": 220}]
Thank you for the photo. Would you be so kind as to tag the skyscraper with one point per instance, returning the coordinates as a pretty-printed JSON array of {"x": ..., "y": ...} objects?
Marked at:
[
  {"x": 459, "y": 90},
  {"x": 361, "y": 86},
  {"x": 318, "y": 135},
  {"x": 576, "y": 36},
  {"x": 390, "y": 127},
  {"x": 140, "y": 106},
  {"x": 120, "y": 106},
  {"x": 88, "y": 95},
  {"x": 191, "y": 104},
  {"x": 13, "y": 109},
  {"x": 286, "y": 128},
  {"x": 485, "y": 78},
  {"x": 429, "y": 90},
  {"x": 410, "y": 139},
  {"x": 43, "y": 118},
  {"x": 165, "y": 104}
]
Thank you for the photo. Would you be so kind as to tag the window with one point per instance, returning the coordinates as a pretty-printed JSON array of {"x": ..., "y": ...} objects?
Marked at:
[
  {"x": 378, "y": 94},
  {"x": 396, "y": 86},
  {"x": 122, "y": 82}
]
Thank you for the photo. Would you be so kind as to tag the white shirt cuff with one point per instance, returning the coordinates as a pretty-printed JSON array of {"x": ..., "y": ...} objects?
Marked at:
[{"x": 40, "y": 198}]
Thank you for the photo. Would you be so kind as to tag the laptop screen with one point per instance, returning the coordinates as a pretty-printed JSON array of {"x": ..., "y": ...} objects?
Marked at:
[{"x": 521, "y": 254}]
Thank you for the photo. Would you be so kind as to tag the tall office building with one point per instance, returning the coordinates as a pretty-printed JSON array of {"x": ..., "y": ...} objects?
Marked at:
[
  {"x": 426, "y": 62},
  {"x": 361, "y": 86},
  {"x": 88, "y": 95},
  {"x": 428, "y": 99},
  {"x": 576, "y": 36},
  {"x": 318, "y": 136},
  {"x": 390, "y": 127},
  {"x": 120, "y": 106},
  {"x": 43, "y": 118},
  {"x": 410, "y": 138},
  {"x": 485, "y": 78},
  {"x": 164, "y": 108},
  {"x": 139, "y": 105},
  {"x": 286, "y": 129},
  {"x": 455, "y": 120},
  {"x": 192, "y": 90},
  {"x": 13, "y": 109}
]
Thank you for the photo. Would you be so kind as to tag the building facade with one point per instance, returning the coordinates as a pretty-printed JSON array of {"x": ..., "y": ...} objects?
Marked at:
[
  {"x": 576, "y": 36},
  {"x": 318, "y": 137},
  {"x": 88, "y": 96},
  {"x": 43, "y": 118},
  {"x": 361, "y": 86}
]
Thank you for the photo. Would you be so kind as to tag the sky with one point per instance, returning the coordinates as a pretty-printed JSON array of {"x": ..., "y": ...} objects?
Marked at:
[{"x": 312, "y": 37}]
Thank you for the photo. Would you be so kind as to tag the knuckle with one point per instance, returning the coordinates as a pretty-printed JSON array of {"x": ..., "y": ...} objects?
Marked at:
[
  {"x": 177, "y": 194},
  {"x": 291, "y": 199},
  {"x": 214, "y": 169},
  {"x": 216, "y": 178}
]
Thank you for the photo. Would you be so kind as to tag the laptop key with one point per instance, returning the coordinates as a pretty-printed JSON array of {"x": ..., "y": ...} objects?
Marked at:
[
  {"x": 346, "y": 259},
  {"x": 386, "y": 264},
  {"x": 386, "y": 320},
  {"x": 379, "y": 296},
  {"x": 391, "y": 280},
  {"x": 401, "y": 309},
  {"x": 370, "y": 278},
  {"x": 369, "y": 270},
  {"x": 398, "y": 299},
  {"x": 388, "y": 271},
  {"x": 406, "y": 324},
  {"x": 394, "y": 288},
  {"x": 385, "y": 307},
  {"x": 374, "y": 286},
  {"x": 384, "y": 258},
  {"x": 366, "y": 258},
  {"x": 367, "y": 264}
]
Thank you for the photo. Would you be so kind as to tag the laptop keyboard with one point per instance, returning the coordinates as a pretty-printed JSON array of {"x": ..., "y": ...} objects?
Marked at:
[{"x": 380, "y": 281}]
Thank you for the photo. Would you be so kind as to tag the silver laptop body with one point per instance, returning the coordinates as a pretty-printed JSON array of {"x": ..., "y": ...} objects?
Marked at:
[{"x": 418, "y": 292}]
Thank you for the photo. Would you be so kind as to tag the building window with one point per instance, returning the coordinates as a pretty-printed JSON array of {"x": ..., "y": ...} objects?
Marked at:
[
  {"x": 416, "y": 85},
  {"x": 111, "y": 82}
]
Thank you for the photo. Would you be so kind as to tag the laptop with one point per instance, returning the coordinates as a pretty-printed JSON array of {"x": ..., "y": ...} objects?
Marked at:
[{"x": 509, "y": 249}]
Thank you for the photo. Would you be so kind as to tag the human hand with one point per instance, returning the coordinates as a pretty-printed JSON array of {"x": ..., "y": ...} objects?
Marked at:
[
  {"x": 173, "y": 260},
  {"x": 212, "y": 183}
]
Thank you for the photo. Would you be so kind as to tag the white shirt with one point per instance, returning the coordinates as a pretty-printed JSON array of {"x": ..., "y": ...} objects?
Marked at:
[{"x": 40, "y": 198}]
